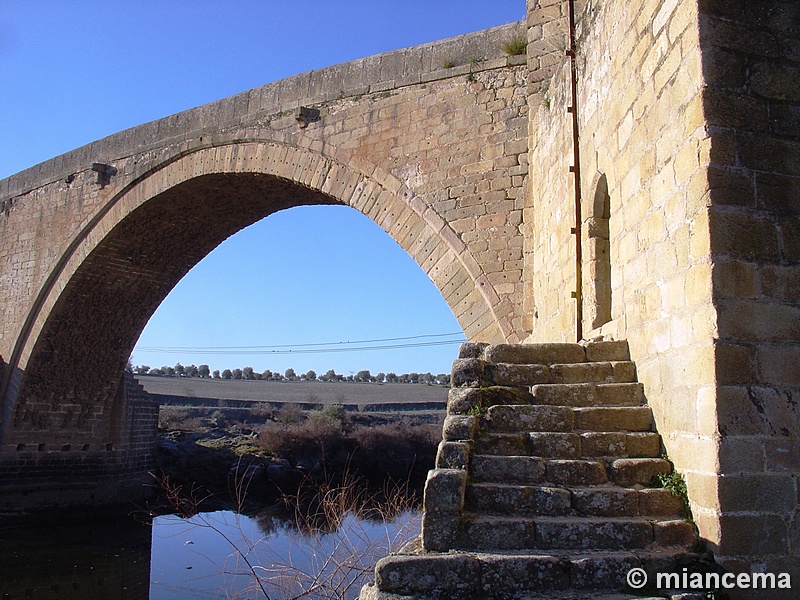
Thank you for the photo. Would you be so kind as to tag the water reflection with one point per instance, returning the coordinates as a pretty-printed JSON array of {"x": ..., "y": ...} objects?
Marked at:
[
  {"x": 208, "y": 555},
  {"x": 227, "y": 555},
  {"x": 105, "y": 558}
]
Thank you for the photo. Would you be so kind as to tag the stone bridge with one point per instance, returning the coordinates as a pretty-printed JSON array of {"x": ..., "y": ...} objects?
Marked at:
[
  {"x": 634, "y": 176},
  {"x": 430, "y": 143}
]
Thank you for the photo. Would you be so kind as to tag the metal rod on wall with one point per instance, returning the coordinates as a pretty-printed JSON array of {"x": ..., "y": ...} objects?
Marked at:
[{"x": 576, "y": 171}]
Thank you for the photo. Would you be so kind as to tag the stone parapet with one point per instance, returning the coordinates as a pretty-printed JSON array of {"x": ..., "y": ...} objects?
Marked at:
[{"x": 378, "y": 74}]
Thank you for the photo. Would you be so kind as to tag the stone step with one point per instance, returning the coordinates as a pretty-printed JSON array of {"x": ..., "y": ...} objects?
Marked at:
[
  {"x": 605, "y": 418},
  {"x": 505, "y": 418},
  {"x": 594, "y": 372},
  {"x": 504, "y": 444},
  {"x": 622, "y": 445},
  {"x": 555, "y": 445},
  {"x": 525, "y": 418},
  {"x": 555, "y": 575},
  {"x": 624, "y": 472},
  {"x": 619, "y": 502},
  {"x": 571, "y": 445},
  {"x": 479, "y": 532},
  {"x": 503, "y": 468},
  {"x": 508, "y": 469},
  {"x": 543, "y": 500},
  {"x": 522, "y": 375},
  {"x": 628, "y": 472},
  {"x": 523, "y": 500},
  {"x": 467, "y": 400},
  {"x": 550, "y": 353},
  {"x": 535, "y": 354},
  {"x": 588, "y": 394},
  {"x": 575, "y": 472}
]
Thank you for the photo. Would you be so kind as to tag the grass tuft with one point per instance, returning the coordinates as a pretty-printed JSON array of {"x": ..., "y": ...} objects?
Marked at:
[{"x": 516, "y": 46}]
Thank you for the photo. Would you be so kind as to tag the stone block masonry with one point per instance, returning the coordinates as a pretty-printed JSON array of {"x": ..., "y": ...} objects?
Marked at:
[
  {"x": 105, "y": 465},
  {"x": 694, "y": 187},
  {"x": 544, "y": 496},
  {"x": 684, "y": 208},
  {"x": 749, "y": 56}
]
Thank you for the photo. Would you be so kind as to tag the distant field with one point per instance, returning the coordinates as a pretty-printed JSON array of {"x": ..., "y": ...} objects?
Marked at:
[{"x": 294, "y": 391}]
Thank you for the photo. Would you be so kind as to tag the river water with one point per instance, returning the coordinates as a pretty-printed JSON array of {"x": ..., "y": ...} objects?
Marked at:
[{"x": 216, "y": 555}]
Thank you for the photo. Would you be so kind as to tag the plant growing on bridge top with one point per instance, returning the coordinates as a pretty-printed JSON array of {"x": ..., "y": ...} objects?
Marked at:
[{"x": 516, "y": 46}]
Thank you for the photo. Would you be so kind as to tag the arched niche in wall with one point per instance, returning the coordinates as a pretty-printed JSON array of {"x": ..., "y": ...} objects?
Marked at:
[{"x": 597, "y": 296}]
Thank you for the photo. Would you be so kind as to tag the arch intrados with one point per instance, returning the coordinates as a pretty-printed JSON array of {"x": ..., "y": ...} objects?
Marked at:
[{"x": 285, "y": 171}]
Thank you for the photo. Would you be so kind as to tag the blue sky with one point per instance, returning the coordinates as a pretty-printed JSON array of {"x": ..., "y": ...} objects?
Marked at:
[{"x": 75, "y": 71}]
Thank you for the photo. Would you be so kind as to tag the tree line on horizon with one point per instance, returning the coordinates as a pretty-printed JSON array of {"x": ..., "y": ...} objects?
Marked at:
[{"x": 248, "y": 373}]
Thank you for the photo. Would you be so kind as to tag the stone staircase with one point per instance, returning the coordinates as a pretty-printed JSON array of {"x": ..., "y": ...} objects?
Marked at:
[{"x": 543, "y": 482}]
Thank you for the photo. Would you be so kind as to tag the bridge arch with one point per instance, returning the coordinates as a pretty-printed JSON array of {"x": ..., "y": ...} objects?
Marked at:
[{"x": 149, "y": 234}]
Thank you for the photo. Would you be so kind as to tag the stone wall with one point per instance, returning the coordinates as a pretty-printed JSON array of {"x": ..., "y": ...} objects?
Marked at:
[
  {"x": 106, "y": 464},
  {"x": 751, "y": 67},
  {"x": 639, "y": 75},
  {"x": 690, "y": 134}
]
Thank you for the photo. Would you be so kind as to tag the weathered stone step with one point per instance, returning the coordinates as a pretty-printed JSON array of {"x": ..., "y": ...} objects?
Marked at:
[
  {"x": 466, "y": 400},
  {"x": 576, "y": 472},
  {"x": 588, "y": 394},
  {"x": 596, "y": 575},
  {"x": 504, "y": 418},
  {"x": 527, "y": 469},
  {"x": 543, "y": 500},
  {"x": 510, "y": 469},
  {"x": 593, "y": 372},
  {"x": 606, "y": 418},
  {"x": 628, "y": 472},
  {"x": 614, "y": 501},
  {"x": 526, "y": 418},
  {"x": 555, "y": 445},
  {"x": 571, "y": 445},
  {"x": 530, "y": 500},
  {"x": 478, "y": 532},
  {"x": 550, "y": 353},
  {"x": 521, "y": 375},
  {"x": 535, "y": 354},
  {"x": 622, "y": 445},
  {"x": 625, "y": 472}
]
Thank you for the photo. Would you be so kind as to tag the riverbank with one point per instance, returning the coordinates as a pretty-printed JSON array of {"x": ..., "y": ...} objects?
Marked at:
[{"x": 217, "y": 460}]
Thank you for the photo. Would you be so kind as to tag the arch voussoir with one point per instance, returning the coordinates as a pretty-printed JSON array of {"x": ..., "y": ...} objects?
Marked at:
[{"x": 405, "y": 216}]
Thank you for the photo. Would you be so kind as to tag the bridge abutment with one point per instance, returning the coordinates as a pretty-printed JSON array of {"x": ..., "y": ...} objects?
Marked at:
[{"x": 43, "y": 467}]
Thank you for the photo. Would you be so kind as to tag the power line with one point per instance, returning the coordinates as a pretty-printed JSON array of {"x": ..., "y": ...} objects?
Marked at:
[
  {"x": 302, "y": 351},
  {"x": 395, "y": 339},
  {"x": 315, "y": 348}
]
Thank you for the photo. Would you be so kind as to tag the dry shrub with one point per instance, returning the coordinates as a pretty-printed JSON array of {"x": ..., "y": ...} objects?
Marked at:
[
  {"x": 262, "y": 411},
  {"x": 380, "y": 454},
  {"x": 290, "y": 414},
  {"x": 174, "y": 418},
  {"x": 312, "y": 439}
]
